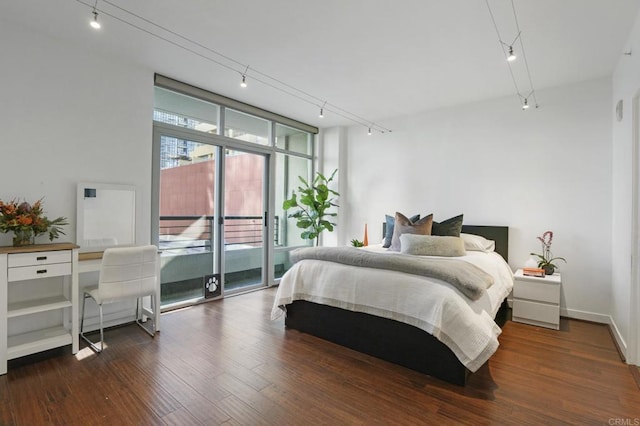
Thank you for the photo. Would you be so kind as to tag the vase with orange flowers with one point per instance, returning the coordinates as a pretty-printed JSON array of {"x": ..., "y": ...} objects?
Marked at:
[
  {"x": 27, "y": 221},
  {"x": 546, "y": 259}
]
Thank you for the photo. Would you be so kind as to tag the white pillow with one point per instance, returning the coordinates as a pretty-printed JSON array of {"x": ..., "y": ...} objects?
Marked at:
[
  {"x": 431, "y": 245},
  {"x": 477, "y": 243}
]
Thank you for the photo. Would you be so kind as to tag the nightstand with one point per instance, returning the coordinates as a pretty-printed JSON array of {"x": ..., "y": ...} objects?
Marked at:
[{"x": 536, "y": 300}]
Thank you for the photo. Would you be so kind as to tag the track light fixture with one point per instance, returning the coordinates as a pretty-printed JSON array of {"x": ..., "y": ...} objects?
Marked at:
[
  {"x": 510, "y": 56},
  {"x": 525, "y": 100},
  {"x": 94, "y": 22},
  {"x": 243, "y": 83},
  {"x": 369, "y": 132},
  {"x": 321, "y": 115}
]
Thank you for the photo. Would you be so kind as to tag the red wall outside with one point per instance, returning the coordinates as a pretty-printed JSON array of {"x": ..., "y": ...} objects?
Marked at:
[{"x": 189, "y": 191}]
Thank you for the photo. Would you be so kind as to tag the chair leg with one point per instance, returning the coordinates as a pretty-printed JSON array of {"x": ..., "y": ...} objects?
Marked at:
[
  {"x": 92, "y": 345},
  {"x": 84, "y": 298},
  {"x": 150, "y": 330}
]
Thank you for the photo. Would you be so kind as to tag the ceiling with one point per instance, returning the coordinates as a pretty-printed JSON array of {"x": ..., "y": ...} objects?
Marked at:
[{"x": 373, "y": 58}]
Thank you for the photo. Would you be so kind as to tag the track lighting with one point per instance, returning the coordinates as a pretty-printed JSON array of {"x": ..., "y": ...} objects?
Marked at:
[
  {"x": 244, "y": 77},
  {"x": 209, "y": 54},
  {"x": 94, "y": 22},
  {"x": 510, "y": 55},
  {"x": 369, "y": 132}
]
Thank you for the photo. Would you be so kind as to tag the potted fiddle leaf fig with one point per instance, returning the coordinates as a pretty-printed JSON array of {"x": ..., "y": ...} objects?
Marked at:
[{"x": 313, "y": 201}]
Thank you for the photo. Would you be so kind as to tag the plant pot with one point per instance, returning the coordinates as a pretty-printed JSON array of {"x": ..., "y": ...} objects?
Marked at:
[
  {"x": 23, "y": 238},
  {"x": 549, "y": 270}
]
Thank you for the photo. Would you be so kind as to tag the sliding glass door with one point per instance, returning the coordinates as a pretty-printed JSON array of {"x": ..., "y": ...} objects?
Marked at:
[
  {"x": 222, "y": 170},
  {"x": 211, "y": 226}
]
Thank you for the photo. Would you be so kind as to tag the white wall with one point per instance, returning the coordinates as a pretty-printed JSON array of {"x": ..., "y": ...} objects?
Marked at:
[
  {"x": 536, "y": 170},
  {"x": 626, "y": 85},
  {"x": 69, "y": 115},
  {"x": 331, "y": 155}
]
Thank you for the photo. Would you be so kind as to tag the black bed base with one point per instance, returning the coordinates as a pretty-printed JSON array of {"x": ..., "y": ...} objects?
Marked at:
[{"x": 382, "y": 338}]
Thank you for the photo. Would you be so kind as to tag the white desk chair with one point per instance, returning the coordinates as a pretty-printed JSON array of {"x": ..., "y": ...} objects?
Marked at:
[{"x": 127, "y": 273}]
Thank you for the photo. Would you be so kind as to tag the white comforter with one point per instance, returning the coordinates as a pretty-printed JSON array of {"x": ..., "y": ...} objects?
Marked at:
[{"x": 465, "y": 326}]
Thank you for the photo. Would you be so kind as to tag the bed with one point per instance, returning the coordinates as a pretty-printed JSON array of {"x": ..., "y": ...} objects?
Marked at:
[{"x": 401, "y": 338}]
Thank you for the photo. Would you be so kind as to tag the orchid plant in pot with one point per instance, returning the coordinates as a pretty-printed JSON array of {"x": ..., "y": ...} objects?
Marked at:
[{"x": 546, "y": 259}]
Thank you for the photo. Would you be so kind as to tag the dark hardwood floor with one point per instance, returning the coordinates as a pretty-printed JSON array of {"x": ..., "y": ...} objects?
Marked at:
[{"x": 225, "y": 362}]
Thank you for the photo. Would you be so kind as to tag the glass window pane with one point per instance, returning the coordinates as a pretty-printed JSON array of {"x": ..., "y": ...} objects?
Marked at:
[
  {"x": 288, "y": 168},
  {"x": 184, "y": 111},
  {"x": 246, "y": 127},
  {"x": 244, "y": 231},
  {"x": 293, "y": 139},
  {"x": 187, "y": 212}
]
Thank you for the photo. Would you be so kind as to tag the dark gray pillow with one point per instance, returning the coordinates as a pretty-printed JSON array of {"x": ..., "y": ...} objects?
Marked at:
[
  {"x": 388, "y": 230},
  {"x": 451, "y": 227}
]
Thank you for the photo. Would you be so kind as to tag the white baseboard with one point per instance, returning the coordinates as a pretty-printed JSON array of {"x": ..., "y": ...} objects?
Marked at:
[
  {"x": 619, "y": 339},
  {"x": 599, "y": 318},
  {"x": 585, "y": 315}
]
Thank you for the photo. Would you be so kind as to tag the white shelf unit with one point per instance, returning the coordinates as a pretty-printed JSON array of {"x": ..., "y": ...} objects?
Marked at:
[
  {"x": 34, "y": 268},
  {"x": 536, "y": 300}
]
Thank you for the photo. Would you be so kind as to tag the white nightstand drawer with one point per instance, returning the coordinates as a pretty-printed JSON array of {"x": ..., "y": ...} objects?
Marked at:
[
  {"x": 38, "y": 271},
  {"x": 39, "y": 258},
  {"x": 524, "y": 309},
  {"x": 537, "y": 290}
]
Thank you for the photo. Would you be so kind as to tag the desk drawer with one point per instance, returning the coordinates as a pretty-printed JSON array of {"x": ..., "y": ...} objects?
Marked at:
[
  {"x": 39, "y": 271},
  {"x": 39, "y": 258}
]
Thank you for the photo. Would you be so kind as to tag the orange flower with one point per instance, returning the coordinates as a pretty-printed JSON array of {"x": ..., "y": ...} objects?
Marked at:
[{"x": 25, "y": 220}]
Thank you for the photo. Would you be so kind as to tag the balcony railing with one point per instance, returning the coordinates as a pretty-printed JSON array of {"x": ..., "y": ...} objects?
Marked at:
[{"x": 195, "y": 233}]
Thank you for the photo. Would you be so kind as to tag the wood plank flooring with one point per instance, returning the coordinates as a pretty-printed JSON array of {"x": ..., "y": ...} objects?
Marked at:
[{"x": 226, "y": 363}]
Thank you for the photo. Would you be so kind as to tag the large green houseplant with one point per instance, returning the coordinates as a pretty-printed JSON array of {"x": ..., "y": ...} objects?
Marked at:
[{"x": 313, "y": 200}]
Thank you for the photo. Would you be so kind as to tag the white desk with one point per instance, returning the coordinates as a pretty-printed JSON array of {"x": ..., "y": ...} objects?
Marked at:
[{"x": 89, "y": 265}]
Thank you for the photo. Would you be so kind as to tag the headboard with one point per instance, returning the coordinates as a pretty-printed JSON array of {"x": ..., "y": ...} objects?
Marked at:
[{"x": 499, "y": 234}]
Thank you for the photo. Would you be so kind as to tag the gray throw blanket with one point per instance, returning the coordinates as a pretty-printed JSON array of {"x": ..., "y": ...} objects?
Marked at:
[{"x": 469, "y": 279}]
